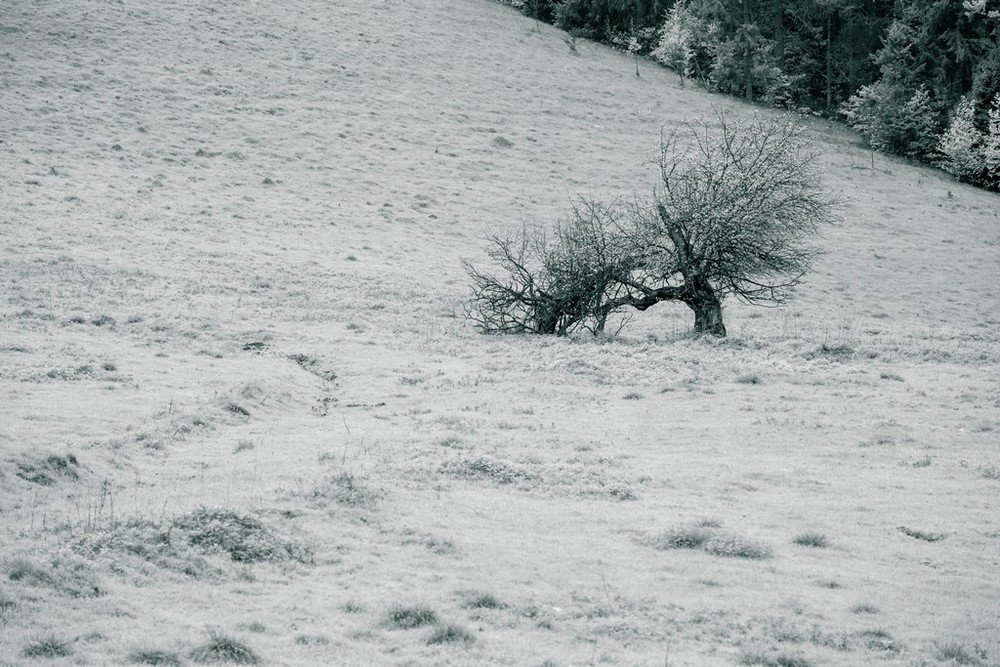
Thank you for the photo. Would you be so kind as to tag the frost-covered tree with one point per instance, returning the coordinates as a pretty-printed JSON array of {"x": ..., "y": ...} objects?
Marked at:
[
  {"x": 893, "y": 119},
  {"x": 962, "y": 143},
  {"x": 991, "y": 146},
  {"x": 676, "y": 47}
]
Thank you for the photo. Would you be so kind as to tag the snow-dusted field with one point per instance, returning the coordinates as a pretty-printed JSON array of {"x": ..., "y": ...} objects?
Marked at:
[{"x": 238, "y": 397}]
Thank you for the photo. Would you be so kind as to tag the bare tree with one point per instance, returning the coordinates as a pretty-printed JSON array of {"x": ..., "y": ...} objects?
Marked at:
[
  {"x": 557, "y": 283},
  {"x": 737, "y": 209},
  {"x": 739, "y": 205}
]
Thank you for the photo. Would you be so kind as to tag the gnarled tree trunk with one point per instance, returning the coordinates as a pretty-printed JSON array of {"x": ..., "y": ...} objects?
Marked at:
[{"x": 707, "y": 307}]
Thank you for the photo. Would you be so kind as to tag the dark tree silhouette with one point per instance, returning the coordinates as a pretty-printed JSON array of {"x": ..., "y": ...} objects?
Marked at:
[{"x": 738, "y": 206}]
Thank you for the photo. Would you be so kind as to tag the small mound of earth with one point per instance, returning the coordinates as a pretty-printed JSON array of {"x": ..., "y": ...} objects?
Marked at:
[{"x": 501, "y": 142}]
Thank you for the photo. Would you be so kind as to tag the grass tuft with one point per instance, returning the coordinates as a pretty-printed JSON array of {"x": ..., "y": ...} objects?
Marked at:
[
  {"x": 48, "y": 646},
  {"x": 346, "y": 490},
  {"x": 683, "y": 538},
  {"x": 879, "y": 640},
  {"x": 312, "y": 640},
  {"x": 707, "y": 537},
  {"x": 403, "y": 617},
  {"x": 154, "y": 657},
  {"x": 865, "y": 608},
  {"x": 734, "y": 546},
  {"x": 221, "y": 648},
  {"x": 49, "y": 470},
  {"x": 7, "y": 606},
  {"x": 484, "y": 468},
  {"x": 27, "y": 571},
  {"x": 763, "y": 659},
  {"x": 352, "y": 607},
  {"x": 451, "y": 634},
  {"x": 484, "y": 601},
  {"x": 811, "y": 540},
  {"x": 72, "y": 578},
  {"x": 237, "y": 409},
  {"x": 955, "y": 652},
  {"x": 922, "y": 535}
]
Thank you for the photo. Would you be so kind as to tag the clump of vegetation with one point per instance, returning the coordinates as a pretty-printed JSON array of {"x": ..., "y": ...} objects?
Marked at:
[
  {"x": 7, "y": 606},
  {"x": 312, "y": 365},
  {"x": 865, "y": 608},
  {"x": 29, "y": 572},
  {"x": 352, "y": 607},
  {"x": 237, "y": 409},
  {"x": 479, "y": 600},
  {"x": 924, "y": 536},
  {"x": 150, "y": 541},
  {"x": 879, "y": 640},
  {"x": 622, "y": 493},
  {"x": 154, "y": 657},
  {"x": 955, "y": 652},
  {"x": 488, "y": 469},
  {"x": 345, "y": 490},
  {"x": 221, "y": 648},
  {"x": 832, "y": 351},
  {"x": 312, "y": 640},
  {"x": 692, "y": 537},
  {"x": 407, "y": 617},
  {"x": 47, "y": 646},
  {"x": 451, "y": 634},
  {"x": 244, "y": 538},
  {"x": 734, "y": 546},
  {"x": 763, "y": 659},
  {"x": 72, "y": 578},
  {"x": 817, "y": 540},
  {"x": 48, "y": 470},
  {"x": 707, "y": 537},
  {"x": 990, "y": 472}
]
